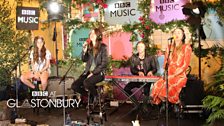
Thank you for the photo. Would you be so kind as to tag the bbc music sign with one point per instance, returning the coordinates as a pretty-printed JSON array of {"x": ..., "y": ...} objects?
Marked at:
[
  {"x": 121, "y": 12},
  {"x": 27, "y": 18},
  {"x": 163, "y": 11}
]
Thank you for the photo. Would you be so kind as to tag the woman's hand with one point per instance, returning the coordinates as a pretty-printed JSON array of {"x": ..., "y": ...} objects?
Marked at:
[
  {"x": 90, "y": 75},
  {"x": 37, "y": 75},
  {"x": 84, "y": 47},
  {"x": 150, "y": 73},
  {"x": 141, "y": 74}
]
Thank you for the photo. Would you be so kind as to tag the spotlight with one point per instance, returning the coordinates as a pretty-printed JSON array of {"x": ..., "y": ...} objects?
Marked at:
[
  {"x": 54, "y": 7},
  {"x": 55, "y": 10},
  {"x": 195, "y": 12}
]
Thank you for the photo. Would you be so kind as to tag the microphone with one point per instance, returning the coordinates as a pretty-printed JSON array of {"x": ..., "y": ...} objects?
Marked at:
[
  {"x": 30, "y": 47},
  {"x": 54, "y": 35},
  {"x": 171, "y": 38},
  {"x": 88, "y": 41},
  {"x": 86, "y": 44}
]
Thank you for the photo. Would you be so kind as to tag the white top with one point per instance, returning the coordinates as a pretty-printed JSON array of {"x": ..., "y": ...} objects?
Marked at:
[{"x": 40, "y": 64}]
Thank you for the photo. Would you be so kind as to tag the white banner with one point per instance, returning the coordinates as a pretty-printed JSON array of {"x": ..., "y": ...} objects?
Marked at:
[{"x": 121, "y": 12}]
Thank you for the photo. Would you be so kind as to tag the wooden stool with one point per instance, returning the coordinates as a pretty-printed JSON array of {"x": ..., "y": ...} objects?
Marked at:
[{"x": 99, "y": 110}]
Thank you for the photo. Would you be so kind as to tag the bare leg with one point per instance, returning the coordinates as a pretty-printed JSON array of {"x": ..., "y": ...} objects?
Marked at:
[
  {"x": 25, "y": 78},
  {"x": 44, "y": 78}
]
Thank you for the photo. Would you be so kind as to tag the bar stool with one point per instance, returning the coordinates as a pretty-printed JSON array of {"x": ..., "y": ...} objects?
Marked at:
[
  {"x": 36, "y": 83},
  {"x": 99, "y": 110},
  {"x": 35, "y": 95}
]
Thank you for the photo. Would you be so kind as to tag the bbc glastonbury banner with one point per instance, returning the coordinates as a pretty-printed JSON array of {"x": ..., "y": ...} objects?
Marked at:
[
  {"x": 121, "y": 12},
  {"x": 27, "y": 18},
  {"x": 163, "y": 11}
]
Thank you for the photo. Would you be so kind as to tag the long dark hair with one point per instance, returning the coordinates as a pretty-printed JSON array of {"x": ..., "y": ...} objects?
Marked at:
[
  {"x": 36, "y": 53},
  {"x": 183, "y": 37},
  {"x": 96, "y": 48}
]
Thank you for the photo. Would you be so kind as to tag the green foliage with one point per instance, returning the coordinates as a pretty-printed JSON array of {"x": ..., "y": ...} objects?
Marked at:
[
  {"x": 82, "y": 1},
  {"x": 215, "y": 101},
  {"x": 117, "y": 64},
  {"x": 151, "y": 50},
  {"x": 218, "y": 6},
  {"x": 77, "y": 23},
  {"x": 96, "y": 2},
  {"x": 13, "y": 44},
  {"x": 216, "y": 87},
  {"x": 216, "y": 105},
  {"x": 76, "y": 64},
  {"x": 73, "y": 23},
  {"x": 146, "y": 26},
  {"x": 144, "y": 5}
]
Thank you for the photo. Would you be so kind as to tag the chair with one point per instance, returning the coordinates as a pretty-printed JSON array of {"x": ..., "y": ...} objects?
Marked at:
[
  {"x": 191, "y": 96},
  {"x": 99, "y": 110}
]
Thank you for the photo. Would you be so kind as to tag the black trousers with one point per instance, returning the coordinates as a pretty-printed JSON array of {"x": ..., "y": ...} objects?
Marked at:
[
  {"x": 83, "y": 83},
  {"x": 132, "y": 85}
]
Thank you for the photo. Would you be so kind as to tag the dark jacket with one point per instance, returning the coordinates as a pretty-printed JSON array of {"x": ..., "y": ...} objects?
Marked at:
[
  {"x": 149, "y": 64},
  {"x": 101, "y": 60}
]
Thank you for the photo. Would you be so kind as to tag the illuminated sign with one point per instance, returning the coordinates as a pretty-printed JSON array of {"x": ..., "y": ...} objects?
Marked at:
[
  {"x": 27, "y": 18},
  {"x": 163, "y": 11},
  {"x": 121, "y": 12}
]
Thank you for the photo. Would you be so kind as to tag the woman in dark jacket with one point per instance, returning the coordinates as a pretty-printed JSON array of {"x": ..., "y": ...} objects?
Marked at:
[{"x": 94, "y": 53}]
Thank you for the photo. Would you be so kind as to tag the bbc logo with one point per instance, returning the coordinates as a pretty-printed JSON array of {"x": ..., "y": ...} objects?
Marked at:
[
  {"x": 122, "y": 5},
  {"x": 28, "y": 12},
  {"x": 39, "y": 93}
]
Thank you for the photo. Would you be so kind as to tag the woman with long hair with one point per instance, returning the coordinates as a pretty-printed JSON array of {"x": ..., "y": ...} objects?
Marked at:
[
  {"x": 40, "y": 64},
  {"x": 94, "y": 53},
  {"x": 179, "y": 60}
]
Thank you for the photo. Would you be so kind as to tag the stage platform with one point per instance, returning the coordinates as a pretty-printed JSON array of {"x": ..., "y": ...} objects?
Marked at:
[{"x": 118, "y": 118}]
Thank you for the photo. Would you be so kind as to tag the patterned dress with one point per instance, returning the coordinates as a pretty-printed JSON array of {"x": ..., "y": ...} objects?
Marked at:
[{"x": 178, "y": 64}]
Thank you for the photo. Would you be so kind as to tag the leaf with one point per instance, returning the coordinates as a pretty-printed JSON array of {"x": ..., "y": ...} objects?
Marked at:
[{"x": 215, "y": 116}]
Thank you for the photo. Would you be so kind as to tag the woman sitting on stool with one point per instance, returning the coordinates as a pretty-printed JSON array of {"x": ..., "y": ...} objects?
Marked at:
[
  {"x": 94, "y": 53},
  {"x": 40, "y": 63}
]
